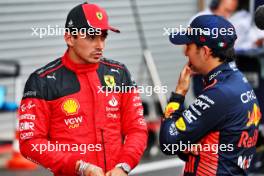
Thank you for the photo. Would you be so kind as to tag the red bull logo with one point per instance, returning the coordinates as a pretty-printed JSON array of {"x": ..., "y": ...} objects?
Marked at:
[
  {"x": 171, "y": 107},
  {"x": 248, "y": 140},
  {"x": 254, "y": 116}
]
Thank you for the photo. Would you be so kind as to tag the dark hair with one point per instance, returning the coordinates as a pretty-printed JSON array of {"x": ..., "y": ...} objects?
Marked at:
[
  {"x": 227, "y": 55},
  {"x": 243, "y": 5},
  {"x": 104, "y": 34},
  {"x": 214, "y": 4}
]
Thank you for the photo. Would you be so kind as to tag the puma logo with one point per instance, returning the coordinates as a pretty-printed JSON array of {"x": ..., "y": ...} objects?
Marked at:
[
  {"x": 114, "y": 70},
  {"x": 51, "y": 76}
]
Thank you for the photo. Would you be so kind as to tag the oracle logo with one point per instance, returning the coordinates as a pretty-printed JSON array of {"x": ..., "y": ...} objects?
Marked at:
[{"x": 248, "y": 96}]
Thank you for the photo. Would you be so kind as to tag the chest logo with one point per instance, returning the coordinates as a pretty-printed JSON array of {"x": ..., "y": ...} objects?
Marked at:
[
  {"x": 70, "y": 106},
  {"x": 180, "y": 124},
  {"x": 254, "y": 116},
  {"x": 109, "y": 80},
  {"x": 113, "y": 102}
]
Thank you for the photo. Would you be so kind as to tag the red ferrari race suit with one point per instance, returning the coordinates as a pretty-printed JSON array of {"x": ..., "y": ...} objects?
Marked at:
[{"x": 67, "y": 114}]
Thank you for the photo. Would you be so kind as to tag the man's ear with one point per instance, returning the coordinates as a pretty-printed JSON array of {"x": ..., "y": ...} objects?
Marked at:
[
  {"x": 207, "y": 52},
  {"x": 69, "y": 39}
]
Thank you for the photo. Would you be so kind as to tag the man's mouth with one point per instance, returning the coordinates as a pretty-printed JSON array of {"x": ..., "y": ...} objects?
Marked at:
[
  {"x": 191, "y": 67},
  {"x": 98, "y": 54}
]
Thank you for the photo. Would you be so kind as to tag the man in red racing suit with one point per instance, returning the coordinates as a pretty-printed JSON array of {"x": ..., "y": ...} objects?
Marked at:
[{"x": 73, "y": 120}]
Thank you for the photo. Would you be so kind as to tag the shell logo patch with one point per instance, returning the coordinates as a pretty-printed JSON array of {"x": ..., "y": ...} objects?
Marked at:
[
  {"x": 109, "y": 80},
  {"x": 99, "y": 15},
  {"x": 180, "y": 124},
  {"x": 70, "y": 106}
]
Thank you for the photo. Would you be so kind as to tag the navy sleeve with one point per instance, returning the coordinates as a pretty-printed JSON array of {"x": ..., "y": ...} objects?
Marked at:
[{"x": 190, "y": 125}]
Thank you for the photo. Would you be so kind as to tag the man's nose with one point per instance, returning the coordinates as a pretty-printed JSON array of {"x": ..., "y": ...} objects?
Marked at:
[
  {"x": 99, "y": 43},
  {"x": 227, "y": 14},
  {"x": 185, "y": 50}
]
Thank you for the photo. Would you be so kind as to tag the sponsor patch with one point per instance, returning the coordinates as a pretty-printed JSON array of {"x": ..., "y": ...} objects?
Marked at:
[
  {"x": 109, "y": 80},
  {"x": 171, "y": 107},
  {"x": 26, "y": 126},
  {"x": 27, "y": 135},
  {"x": 27, "y": 117},
  {"x": 113, "y": 102},
  {"x": 70, "y": 106},
  {"x": 180, "y": 124},
  {"x": 254, "y": 116},
  {"x": 27, "y": 106},
  {"x": 248, "y": 96},
  {"x": 187, "y": 114},
  {"x": 173, "y": 130},
  {"x": 73, "y": 122},
  {"x": 111, "y": 115}
]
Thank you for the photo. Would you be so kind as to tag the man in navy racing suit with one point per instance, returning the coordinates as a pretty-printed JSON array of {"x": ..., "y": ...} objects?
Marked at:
[{"x": 217, "y": 133}]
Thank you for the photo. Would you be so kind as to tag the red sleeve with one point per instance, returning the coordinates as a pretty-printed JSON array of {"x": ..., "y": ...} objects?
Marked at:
[
  {"x": 34, "y": 131},
  {"x": 134, "y": 127},
  {"x": 134, "y": 130}
]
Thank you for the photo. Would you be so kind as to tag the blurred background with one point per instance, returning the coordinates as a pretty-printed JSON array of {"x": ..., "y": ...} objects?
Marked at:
[{"x": 142, "y": 45}]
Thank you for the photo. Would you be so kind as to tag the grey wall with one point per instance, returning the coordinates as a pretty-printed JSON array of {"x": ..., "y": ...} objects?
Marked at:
[{"x": 17, "y": 43}]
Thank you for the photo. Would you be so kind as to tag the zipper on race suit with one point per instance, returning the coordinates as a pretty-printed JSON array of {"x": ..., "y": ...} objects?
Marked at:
[{"x": 102, "y": 134}]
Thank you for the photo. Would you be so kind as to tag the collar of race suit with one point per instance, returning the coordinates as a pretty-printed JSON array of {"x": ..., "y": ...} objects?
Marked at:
[{"x": 78, "y": 68}]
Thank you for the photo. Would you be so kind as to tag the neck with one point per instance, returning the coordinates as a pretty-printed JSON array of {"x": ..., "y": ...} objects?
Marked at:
[
  {"x": 74, "y": 57},
  {"x": 78, "y": 67},
  {"x": 211, "y": 64}
]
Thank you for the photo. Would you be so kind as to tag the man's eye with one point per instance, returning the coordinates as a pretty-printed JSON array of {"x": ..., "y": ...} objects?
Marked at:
[
  {"x": 103, "y": 37},
  {"x": 90, "y": 37}
]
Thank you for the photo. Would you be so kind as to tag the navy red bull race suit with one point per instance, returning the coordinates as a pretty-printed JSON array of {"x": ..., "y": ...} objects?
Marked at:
[{"x": 219, "y": 130}]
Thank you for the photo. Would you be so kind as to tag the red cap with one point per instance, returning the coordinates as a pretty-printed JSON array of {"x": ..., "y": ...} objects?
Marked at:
[
  {"x": 97, "y": 17},
  {"x": 87, "y": 16}
]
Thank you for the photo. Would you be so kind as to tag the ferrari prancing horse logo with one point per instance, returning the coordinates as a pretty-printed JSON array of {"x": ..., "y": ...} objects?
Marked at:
[
  {"x": 99, "y": 15},
  {"x": 109, "y": 80}
]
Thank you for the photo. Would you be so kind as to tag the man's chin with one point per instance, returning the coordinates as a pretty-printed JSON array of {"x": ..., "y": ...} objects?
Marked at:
[
  {"x": 195, "y": 71},
  {"x": 92, "y": 61},
  {"x": 96, "y": 60},
  {"x": 192, "y": 68}
]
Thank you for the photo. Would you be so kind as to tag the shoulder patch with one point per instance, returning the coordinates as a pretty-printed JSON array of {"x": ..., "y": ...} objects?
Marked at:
[
  {"x": 49, "y": 68},
  {"x": 51, "y": 82},
  {"x": 114, "y": 73},
  {"x": 34, "y": 87},
  {"x": 112, "y": 63}
]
